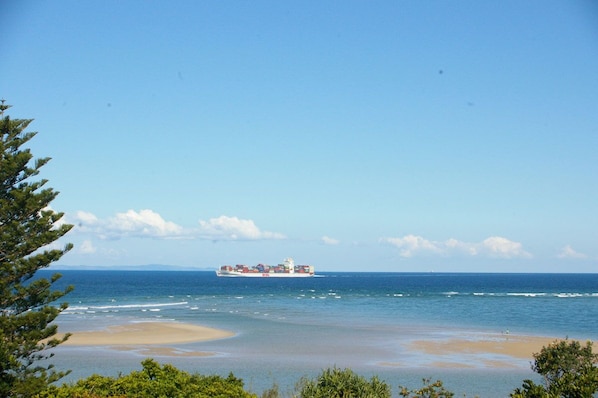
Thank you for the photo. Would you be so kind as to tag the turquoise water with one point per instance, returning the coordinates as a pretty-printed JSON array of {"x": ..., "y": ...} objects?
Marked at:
[{"x": 288, "y": 328}]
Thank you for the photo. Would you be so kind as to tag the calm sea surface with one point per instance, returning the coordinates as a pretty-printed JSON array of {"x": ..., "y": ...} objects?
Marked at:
[{"x": 289, "y": 328}]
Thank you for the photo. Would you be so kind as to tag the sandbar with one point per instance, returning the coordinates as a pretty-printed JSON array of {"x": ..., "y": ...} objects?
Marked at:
[
  {"x": 473, "y": 351},
  {"x": 522, "y": 347},
  {"x": 486, "y": 351},
  {"x": 147, "y": 333}
]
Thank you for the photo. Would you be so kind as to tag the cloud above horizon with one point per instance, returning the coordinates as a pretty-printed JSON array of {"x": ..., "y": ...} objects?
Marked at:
[
  {"x": 493, "y": 247},
  {"x": 149, "y": 224},
  {"x": 142, "y": 224},
  {"x": 330, "y": 241},
  {"x": 87, "y": 247},
  {"x": 234, "y": 228},
  {"x": 569, "y": 252}
]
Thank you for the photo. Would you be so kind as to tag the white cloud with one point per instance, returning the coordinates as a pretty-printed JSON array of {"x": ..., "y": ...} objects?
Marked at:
[
  {"x": 462, "y": 247},
  {"x": 145, "y": 223},
  {"x": 233, "y": 228},
  {"x": 86, "y": 218},
  {"x": 86, "y": 247},
  {"x": 330, "y": 241},
  {"x": 149, "y": 224},
  {"x": 495, "y": 246},
  {"x": 411, "y": 245},
  {"x": 569, "y": 252}
]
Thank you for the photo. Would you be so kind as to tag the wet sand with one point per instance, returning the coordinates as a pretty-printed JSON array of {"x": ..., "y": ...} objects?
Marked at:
[
  {"x": 147, "y": 333},
  {"x": 485, "y": 351},
  {"x": 522, "y": 347},
  {"x": 154, "y": 338}
]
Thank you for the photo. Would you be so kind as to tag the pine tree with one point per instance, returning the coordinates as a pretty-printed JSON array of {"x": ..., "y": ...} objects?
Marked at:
[{"x": 27, "y": 227}]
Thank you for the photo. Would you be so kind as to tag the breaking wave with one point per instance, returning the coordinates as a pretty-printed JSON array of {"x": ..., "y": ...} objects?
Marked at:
[{"x": 117, "y": 308}]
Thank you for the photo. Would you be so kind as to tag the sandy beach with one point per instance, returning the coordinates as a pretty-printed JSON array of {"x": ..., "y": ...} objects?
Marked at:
[{"x": 147, "y": 333}]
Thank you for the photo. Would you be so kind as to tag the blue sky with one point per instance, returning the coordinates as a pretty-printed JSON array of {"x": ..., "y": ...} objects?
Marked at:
[{"x": 351, "y": 135}]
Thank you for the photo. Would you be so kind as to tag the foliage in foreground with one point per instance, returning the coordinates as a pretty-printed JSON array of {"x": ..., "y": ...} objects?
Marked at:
[
  {"x": 429, "y": 390},
  {"x": 152, "y": 381},
  {"x": 569, "y": 371},
  {"x": 27, "y": 228},
  {"x": 337, "y": 383}
]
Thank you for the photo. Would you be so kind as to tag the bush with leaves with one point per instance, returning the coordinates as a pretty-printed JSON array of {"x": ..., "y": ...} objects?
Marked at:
[
  {"x": 272, "y": 392},
  {"x": 155, "y": 381},
  {"x": 429, "y": 390},
  {"x": 569, "y": 371},
  {"x": 27, "y": 227},
  {"x": 337, "y": 383}
]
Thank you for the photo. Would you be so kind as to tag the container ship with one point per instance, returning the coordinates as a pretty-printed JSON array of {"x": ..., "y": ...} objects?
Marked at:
[{"x": 287, "y": 269}]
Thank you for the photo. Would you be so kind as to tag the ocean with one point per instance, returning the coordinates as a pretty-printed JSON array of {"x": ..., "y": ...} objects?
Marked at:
[{"x": 286, "y": 329}]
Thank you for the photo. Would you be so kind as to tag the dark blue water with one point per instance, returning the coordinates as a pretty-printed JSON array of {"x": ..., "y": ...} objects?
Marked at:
[
  {"x": 547, "y": 304},
  {"x": 357, "y": 320}
]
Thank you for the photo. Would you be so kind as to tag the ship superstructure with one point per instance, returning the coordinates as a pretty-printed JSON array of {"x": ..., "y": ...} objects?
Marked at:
[{"x": 287, "y": 269}]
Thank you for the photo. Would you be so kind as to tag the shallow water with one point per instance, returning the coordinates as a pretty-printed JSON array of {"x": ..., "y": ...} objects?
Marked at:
[{"x": 288, "y": 328}]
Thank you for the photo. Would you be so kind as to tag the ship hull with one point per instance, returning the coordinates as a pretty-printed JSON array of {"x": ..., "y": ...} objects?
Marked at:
[{"x": 232, "y": 274}]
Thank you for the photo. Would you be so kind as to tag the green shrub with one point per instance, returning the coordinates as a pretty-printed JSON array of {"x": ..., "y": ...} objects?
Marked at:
[
  {"x": 429, "y": 390},
  {"x": 153, "y": 381},
  {"x": 569, "y": 371},
  {"x": 337, "y": 383},
  {"x": 272, "y": 392}
]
